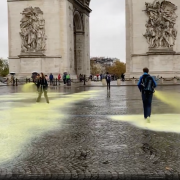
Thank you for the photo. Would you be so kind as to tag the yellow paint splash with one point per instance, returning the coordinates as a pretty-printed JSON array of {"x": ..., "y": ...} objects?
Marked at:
[
  {"x": 29, "y": 87},
  {"x": 169, "y": 98},
  {"x": 158, "y": 122},
  {"x": 22, "y": 123}
]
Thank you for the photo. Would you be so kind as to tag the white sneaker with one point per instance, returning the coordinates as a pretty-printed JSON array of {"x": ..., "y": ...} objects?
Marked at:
[{"x": 148, "y": 120}]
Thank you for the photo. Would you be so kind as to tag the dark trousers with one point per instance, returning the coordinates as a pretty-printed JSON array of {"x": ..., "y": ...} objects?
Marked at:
[
  {"x": 45, "y": 95},
  {"x": 64, "y": 80},
  {"x": 68, "y": 81},
  {"x": 51, "y": 81},
  {"x": 108, "y": 84},
  {"x": 147, "y": 101}
]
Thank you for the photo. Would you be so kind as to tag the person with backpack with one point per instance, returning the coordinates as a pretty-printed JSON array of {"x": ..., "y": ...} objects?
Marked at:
[
  {"x": 146, "y": 86},
  {"x": 108, "y": 80},
  {"x": 42, "y": 88}
]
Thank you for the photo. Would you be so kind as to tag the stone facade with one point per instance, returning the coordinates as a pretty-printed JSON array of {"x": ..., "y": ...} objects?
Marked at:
[
  {"x": 66, "y": 48},
  {"x": 153, "y": 38}
]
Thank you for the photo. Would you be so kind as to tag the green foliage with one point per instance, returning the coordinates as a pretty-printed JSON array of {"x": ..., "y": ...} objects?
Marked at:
[
  {"x": 117, "y": 69},
  {"x": 4, "y": 67}
]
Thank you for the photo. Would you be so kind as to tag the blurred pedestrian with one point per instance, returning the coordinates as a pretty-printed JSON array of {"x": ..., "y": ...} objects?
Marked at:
[
  {"x": 59, "y": 78},
  {"x": 68, "y": 79},
  {"x": 51, "y": 78},
  {"x": 108, "y": 80},
  {"x": 64, "y": 78},
  {"x": 43, "y": 86}
]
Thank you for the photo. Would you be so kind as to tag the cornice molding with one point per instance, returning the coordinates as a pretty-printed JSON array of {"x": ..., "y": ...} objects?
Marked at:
[
  {"x": 79, "y": 3},
  {"x": 18, "y": 0},
  {"x": 83, "y": 4}
]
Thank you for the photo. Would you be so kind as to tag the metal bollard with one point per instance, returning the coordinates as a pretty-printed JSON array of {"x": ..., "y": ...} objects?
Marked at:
[
  {"x": 13, "y": 82},
  {"x": 84, "y": 80},
  {"x": 16, "y": 82}
]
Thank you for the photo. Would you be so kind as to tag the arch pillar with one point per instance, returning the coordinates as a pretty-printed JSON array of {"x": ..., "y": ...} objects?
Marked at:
[{"x": 81, "y": 44}]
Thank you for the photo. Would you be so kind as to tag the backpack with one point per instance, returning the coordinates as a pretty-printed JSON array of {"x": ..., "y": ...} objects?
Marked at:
[
  {"x": 148, "y": 84},
  {"x": 108, "y": 78}
]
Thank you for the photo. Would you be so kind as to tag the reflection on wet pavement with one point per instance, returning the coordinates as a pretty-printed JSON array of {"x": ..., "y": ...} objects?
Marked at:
[{"x": 87, "y": 132}]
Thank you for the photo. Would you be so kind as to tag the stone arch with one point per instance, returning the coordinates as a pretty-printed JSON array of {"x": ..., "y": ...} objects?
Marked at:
[{"x": 78, "y": 24}]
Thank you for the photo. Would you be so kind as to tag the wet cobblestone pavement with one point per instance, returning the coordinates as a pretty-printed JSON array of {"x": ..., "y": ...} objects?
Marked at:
[{"x": 89, "y": 145}]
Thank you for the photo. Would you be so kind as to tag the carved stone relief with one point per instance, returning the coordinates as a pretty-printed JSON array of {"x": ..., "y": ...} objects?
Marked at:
[
  {"x": 160, "y": 27},
  {"x": 32, "y": 30}
]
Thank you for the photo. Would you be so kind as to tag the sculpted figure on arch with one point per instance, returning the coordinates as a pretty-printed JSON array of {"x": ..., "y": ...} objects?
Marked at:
[
  {"x": 161, "y": 32},
  {"x": 32, "y": 30}
]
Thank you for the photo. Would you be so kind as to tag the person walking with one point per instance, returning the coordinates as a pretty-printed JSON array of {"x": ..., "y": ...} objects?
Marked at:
[
  {"x": 108, "y": 80},
  {"x": 51, "y": 79},
  {"x": 146, "y": 86},
  {"x": 43, "y": 86},
  {"x": 59, "y": 78},
  {"x": 68, "y": 79},
  {"x": 122, "y": 77},
  {"x": 64, "y": 78}
]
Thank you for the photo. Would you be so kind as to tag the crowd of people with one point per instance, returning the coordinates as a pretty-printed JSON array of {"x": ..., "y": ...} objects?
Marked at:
[
  {"x": 41, "y": 82},
  {"x": 99, "y": 77},
  {"x": 146, "y": 85}
]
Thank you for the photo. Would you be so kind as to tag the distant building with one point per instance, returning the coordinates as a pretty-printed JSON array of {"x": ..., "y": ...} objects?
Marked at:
[{"x": 104, "y": 61}]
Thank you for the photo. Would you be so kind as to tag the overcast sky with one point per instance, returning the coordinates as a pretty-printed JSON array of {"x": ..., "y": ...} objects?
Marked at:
[{"x": 107, "y": 28}]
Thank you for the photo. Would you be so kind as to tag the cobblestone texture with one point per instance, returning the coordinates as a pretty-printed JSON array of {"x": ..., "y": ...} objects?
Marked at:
[{"x": 91, "y": 146}]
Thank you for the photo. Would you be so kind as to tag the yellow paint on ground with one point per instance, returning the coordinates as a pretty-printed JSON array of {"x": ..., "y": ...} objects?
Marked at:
[
  {"x": 158, "y": 122},
  {"x": 19, "y": 125},
  {"x": 169, "y": 98}
]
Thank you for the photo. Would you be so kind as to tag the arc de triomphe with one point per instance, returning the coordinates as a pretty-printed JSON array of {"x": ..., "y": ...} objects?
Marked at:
[{"x": 53, "y": 36}]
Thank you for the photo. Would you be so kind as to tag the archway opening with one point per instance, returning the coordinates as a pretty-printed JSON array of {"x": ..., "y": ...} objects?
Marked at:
[
  {"x": 78, "y": 42},
  {"x": 108, "y": 29}
]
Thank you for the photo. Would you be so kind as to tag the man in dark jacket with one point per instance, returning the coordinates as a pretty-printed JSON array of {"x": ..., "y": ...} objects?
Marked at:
[
  {"x": 146, "y": 96},
  {"x": 43, "y": 86},
  {"x": 108, "y": 80}
]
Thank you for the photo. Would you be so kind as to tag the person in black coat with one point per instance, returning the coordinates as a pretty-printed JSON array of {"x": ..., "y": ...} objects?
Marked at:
[
  {"x": 42, "y": 86},
  {"x": 37, "y": 81}
]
